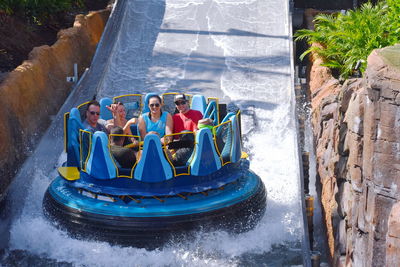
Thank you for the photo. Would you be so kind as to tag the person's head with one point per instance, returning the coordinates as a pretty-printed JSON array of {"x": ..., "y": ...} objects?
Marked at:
[
  {"x": 121, "y": 111},
  {"x": 93, "y": 112},
  {"x": 155, "y": 105},
  {"x": 116, "y": 135},
  {"x": 181, "y": 103}
]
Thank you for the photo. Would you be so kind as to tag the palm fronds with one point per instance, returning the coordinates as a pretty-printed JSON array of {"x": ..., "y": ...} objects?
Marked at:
[{"x": 347, "y": 39}]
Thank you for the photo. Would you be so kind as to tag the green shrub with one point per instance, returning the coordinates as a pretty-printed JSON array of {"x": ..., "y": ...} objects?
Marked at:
[{"x": 347, "y": 39}]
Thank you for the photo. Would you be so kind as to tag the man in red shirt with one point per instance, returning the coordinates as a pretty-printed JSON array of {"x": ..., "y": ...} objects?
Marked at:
[{"x": 186, "y": 119}]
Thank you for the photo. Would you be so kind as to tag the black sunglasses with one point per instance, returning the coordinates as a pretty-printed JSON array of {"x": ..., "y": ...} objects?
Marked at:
[
  {"x": 94, "y": 112},
  {"x": 180, "y": 103},
  {"x": 155, "y": 105}
]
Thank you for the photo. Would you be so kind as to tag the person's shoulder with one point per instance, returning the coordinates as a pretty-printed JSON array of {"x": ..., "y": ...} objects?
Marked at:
[
  {"x": 196, "y": 112},
  {"x": 101, "y": 126},
  {"x": 87, "y": 126},
  {"x": 166, "y": 114},
  {"x": 144, "y": 116}
]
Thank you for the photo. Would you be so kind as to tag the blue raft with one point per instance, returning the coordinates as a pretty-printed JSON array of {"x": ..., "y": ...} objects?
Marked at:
[{"x": 145, "y": 206}]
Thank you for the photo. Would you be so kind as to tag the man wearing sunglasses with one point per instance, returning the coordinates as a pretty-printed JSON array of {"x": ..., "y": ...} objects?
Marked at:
[
  {"x": 186, "y": 119},
  {"x": 92, "y": 122}
]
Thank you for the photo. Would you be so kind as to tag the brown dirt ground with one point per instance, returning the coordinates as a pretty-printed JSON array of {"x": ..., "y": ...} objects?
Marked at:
[{"x": 18, "y": 37}]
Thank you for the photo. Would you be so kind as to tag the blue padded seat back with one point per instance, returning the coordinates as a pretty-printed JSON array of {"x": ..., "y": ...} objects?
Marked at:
[
  {"x": 225, "y": 119},
  {"x": 199, "y": 103},
  {"x": 212, "y": 112},
  {"x": 228, "y": 117},
  {"x": 152, "y": 167},
  {"x": 105, "y": 114},
  {"x": 134, "y": 129},
  {"x": 73, "y": 127},
  {"x": 146, "y": 102},
  {"x": 236, "y": 146},
  {"x": 205, "y": 159},
  {"x": 100, "y": 164},
  {"x": 227, "y": 137},
  {"x": 236, "y": 140}
]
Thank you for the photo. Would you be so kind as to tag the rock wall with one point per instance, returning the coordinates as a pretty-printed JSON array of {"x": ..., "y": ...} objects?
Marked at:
[
  {"x": 35, "y": 90},
  {"x": 356, "y": 128}
]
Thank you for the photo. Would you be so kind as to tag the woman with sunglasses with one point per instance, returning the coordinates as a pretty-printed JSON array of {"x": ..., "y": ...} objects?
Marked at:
[{"x": 155, "y": 120}]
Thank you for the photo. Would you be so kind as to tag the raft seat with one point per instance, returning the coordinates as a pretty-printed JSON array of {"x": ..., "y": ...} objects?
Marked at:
[
  {"x": 199, "y": 103},
  {"x": 74, "y": 124},
  {"x": 100, "y": 164},
  {"x": 105, "y": 114},
  {"x": 152, "y": 167},
  {"x": 205, "y": 158},
  {"x": 134, "y": 129},
  {"x": 224, "y": 140},
  {"x": 212, "y": 111},
  {"x": 236, "y": 146}
]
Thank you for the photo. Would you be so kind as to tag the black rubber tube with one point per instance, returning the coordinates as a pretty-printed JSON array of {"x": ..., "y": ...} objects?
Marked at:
[{"x": 153, "y": 232}]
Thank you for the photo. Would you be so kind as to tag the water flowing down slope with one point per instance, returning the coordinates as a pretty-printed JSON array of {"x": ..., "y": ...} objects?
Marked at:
[{"x": 238, "y": 51}]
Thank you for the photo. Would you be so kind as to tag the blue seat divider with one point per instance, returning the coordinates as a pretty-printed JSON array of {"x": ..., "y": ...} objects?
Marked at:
[
  {"x": 105, "y": 114},
  {"x": 205, "y": 159},
  {"x": 73, "y": 127},
  {"x": 225, "y": 119},
  {"x": 237, "y": 144},
  {"x": 212, "y": 112},
  {"x": 100, "y": 164},
  {"x": 236, "y": 151},
  {"x": 146, "y": 102},
  {"x": 152, "y": 167},
  {"x": 199, "y": 103},
  {"x": 226, "y": 152}
]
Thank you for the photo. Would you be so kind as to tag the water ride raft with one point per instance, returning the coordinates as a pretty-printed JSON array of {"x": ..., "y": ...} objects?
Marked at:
[{"x": 158, "y": 198}]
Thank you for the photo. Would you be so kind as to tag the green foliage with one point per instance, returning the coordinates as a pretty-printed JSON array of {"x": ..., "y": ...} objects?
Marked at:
[
  {"x": 37, "y": 10},
  {"x": 347, "y": 39}
]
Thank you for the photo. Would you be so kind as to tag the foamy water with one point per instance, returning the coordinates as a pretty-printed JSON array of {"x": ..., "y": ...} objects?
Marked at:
[
  {"x": 217, "y": 48},
  {"x": 31, "y": 232}
]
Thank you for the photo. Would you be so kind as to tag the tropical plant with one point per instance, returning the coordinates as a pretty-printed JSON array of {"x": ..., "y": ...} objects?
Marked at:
[{"x": 346, "y": 39}]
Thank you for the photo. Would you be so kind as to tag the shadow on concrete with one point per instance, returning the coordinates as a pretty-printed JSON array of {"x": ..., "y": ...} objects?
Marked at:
[{"x": 230, "y": 32}]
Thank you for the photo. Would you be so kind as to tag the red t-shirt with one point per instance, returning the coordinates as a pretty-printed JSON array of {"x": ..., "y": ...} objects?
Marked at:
[{"x": 187, "y": 121}]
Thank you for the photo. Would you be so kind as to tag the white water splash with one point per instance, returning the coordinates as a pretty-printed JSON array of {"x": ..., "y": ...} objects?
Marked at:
[{"x": 249, "y": 67}]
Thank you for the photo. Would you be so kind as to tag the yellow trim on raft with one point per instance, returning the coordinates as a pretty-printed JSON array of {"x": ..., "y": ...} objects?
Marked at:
[
  {"x": 139, "y": 144},
  {"x": 69, "y": 173},
  {"x": 81, "y": 105},
  {"x": 168, "y": 158},
  {"x": 215, "y": 141}
]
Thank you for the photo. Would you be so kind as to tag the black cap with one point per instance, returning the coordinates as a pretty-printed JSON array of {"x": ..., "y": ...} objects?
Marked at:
[{"x": 179, "y": 97}]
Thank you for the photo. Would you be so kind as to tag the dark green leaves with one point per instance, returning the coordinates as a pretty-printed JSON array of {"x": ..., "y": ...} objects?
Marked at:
[{"x": 347, "y": 39}]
